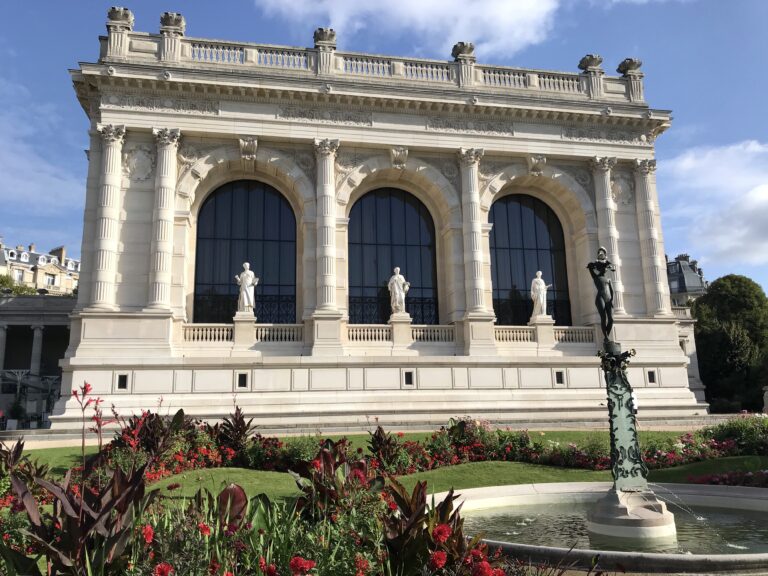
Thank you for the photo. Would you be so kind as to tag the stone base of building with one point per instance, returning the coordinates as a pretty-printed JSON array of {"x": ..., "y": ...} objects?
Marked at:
[{"x": 311, "y": 393}]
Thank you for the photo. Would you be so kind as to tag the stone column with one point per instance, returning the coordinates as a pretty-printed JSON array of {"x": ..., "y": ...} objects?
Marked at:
[
  {"x": 172, "y": 26},
  {"x": 162, "y": 219},
  {"x": 37, "y": 350},
  {"x": 478, "y": 321},
  {"x": 327, "y": 332},
  {"x": 87, "y": 254},
  {"x": 119, "y": 23},
  {"x": 654, "y": 268},
  {"x": 3, "y": 330},
  {"x": 608, "y": 234},
  {"x": 104, "y": 267}
]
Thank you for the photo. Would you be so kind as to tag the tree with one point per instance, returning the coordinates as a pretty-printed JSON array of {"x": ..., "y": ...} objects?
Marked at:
[
  {"x": 732, "y": 340},
  {"x": 6, "y": 282}
]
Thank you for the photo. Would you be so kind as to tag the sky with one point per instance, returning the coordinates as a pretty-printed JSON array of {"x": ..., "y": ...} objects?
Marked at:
[{"x": 703, "y": 59}]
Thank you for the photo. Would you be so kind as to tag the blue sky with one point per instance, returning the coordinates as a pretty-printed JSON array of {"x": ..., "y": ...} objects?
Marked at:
[{"x": 703, "y": 59}]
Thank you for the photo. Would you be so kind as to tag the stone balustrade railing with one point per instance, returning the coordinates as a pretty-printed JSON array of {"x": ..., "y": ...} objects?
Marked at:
[
  {"x": 427, "y": 333},
  {"x": 208, "y": 333},
  {"x": 369, "y": 333},
  {"x": 682, "y": 312},
  {"x": 279, "y": 333},
  {"x": 326, "y": 62},
  {"x": 574, "y": 335},
  {"x": 514, "y": 334}
]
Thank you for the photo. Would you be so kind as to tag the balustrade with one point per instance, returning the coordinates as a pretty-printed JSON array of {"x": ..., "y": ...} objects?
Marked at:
[
  {"x": 429, "y": 71},
  {"x": 514, "y": 334},
  {"x": 568, "y": 83},
  {"x": 574, "y": 335},
  {"x": 369, "y": 333},
  {"x": 432, "y": 333},
  {"x": 283, "y": 58},
  {"x": 208, "y": 333},
  {"x": 504, "y": 78},
  {"x": 217, "y": 53},
  {"x": 367, "y": 66},
  {"x": 279, "y": 332},
  {"x": 682, "y": 312}
]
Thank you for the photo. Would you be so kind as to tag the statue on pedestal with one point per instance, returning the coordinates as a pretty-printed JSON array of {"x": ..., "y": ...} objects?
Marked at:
[
  {"x": 539, "y": 296},
  {"x": 247, "y": 281},
  {"x": 604, "y": 298},
  {"x": 398, "y": 288}
]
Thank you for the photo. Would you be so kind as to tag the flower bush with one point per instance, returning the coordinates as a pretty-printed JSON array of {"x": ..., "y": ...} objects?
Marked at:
[{"x": 757, "y": 479}]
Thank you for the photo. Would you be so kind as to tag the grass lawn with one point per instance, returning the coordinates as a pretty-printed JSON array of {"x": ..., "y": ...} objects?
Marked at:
[{"x": 276, "y": 485}]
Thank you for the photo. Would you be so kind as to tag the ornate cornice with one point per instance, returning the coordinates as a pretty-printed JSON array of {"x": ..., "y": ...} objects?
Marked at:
[{"x": 173, "y": 104}]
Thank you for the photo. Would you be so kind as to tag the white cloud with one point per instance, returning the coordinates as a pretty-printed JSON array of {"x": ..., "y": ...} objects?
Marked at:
[
  {"x": 38, "y": 191},
  {"x": 715, "y": 201},
  {"x": 497, "y": 27}
]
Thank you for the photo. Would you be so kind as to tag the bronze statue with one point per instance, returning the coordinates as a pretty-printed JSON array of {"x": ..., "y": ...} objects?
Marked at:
[{"x": 604, "y": 298}]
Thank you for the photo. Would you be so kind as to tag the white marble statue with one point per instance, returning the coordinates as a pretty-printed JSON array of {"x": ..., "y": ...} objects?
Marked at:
[
  {"x": 247, "y": 281},
  {"x": 398, "y": 288},
  {"x": 539, "y": 296}
]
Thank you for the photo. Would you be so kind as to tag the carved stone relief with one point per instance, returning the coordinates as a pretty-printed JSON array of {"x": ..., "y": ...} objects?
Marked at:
[
  {"x": 622, "y": 188},
  {"x": 138, "y": 162},
  {"x": 589, "y": 134},
  {"x": 324, "y": 115},
  {"x": 469, "y": 126},
  {"x": 489, "y": 169},
  {"x": 159, "y": 104}
]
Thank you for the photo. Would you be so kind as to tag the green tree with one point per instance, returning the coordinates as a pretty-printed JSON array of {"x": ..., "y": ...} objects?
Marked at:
[
  {"x": 7, "y": 282},
  {"x": 732, "y": 341}
]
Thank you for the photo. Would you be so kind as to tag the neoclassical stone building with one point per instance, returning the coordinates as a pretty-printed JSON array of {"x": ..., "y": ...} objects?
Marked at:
[{"x": 326, "y": 169}]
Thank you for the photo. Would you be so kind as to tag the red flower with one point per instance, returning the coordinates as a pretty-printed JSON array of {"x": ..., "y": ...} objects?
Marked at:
[
  {"x": 205, "y": 530},
  {"x": 228, "y": 573},
  {"x": 437, "y": 559},
  {"x": 316, "y": 464},
  {"x": 441, "y": 533},
  {"x": 299, "y": 566},
  {"x": 163, "y": 569},
  {"x": 149, "y": 533},
  {"x": 482, "y": 569},
  {"x": 361, "y": 565}
]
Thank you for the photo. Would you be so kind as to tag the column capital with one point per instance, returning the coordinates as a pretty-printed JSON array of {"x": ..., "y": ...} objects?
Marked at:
[
  {"x": 602, "y": 164},
  {"x": 36, "y": 327},
  {"x": 167, "y": 136},
  {"x": 112, "y": 132},
  {"x": 645, "y": 167},
  {"x": 470, "y": 156},
  {"x": 326, "y": 146}
]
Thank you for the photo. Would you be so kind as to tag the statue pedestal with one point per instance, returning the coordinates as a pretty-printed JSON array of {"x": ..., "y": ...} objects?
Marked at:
[
  {"x": 326, "y": 333},
  {"x": 402, "y": 336},
  {"x": 244, "y": 331},
  {"x": 479, "y": 335},
  {"x": 633, "y": 515},
  {"x": 544, "y": 325}
]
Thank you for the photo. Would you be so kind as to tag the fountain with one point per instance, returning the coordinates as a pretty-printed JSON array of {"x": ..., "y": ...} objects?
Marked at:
[{"x": 630, "y": 509}]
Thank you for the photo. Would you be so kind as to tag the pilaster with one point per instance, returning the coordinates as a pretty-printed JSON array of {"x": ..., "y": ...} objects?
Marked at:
[
  {"x": 159, "y": 297},
  {"x": 654, "y": 269},
  {"x": 630, "y": 69},
  {"x": 87, "y": 247},
  {"x": 172, "y": 27},
  {"x": 325, "y": 44},
  {"x": 107, "y": 218},
  {"x": 478, "y": 320},
  {"x": 608, "y": 234},
  {"x": 327, "y": 317},
  {"x": 119, "y": 24},
  {"x": 464, "y": 55},
  {"x": 590, "y": 65}
]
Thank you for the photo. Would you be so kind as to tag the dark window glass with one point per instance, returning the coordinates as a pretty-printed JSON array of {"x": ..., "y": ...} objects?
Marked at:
[
  {"x": 388, "y": 228},
  {"x": 246, "y": 221},
  {"x": 526, "y": 237}
]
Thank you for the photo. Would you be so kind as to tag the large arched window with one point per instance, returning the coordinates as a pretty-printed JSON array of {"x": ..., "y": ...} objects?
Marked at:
[
  {"x": 387, "y": 228},
  {"x": 526, "y": 237},
  {"x": 246, "y": 221}
]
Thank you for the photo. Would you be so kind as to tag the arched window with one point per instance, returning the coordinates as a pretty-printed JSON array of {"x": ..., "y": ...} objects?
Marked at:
[
  {"x": 245, "y": 221},
  {"x": 387, "y": 228},
  {"x": 526, "y": 237}
]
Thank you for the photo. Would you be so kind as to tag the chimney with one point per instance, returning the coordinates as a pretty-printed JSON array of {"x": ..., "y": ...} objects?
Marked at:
[
  {"x": 60, "y": 252},
  {"x": 32, "y": 248}
]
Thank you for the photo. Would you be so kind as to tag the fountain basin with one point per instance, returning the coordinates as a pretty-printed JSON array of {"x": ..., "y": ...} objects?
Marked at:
[{"x": 480, "y": 505}]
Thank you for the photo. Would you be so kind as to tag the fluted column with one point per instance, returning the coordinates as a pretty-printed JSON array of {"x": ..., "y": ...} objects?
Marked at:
[
  {"x": 607, "y": 233},
  {"x": 107, "y": 216},
  {"x": 162, "y": 219},
  {"x": 326, "y": 224},
  {"x": 37, "y": 350},
  {"x": 473, "y": 229},
  {"x": 3, "y": 330},
  {"x": 654, "y": 268}
]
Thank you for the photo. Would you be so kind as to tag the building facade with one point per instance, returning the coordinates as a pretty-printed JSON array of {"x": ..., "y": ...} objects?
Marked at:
[
  {"x": 686, "y": 280},
  {"x": 54, "y": 271},
  {"x": 325, "y": 170}
]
